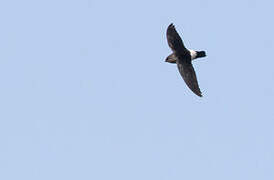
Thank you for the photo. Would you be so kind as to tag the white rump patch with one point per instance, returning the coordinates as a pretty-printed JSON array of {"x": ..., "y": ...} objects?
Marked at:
[{"x": 193, "y": 54}]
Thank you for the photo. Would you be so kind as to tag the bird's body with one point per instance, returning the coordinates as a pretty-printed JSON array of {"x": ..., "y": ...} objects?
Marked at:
[
  {"x": 183, "y": 58},
  {"x": 193, "y": 54}
]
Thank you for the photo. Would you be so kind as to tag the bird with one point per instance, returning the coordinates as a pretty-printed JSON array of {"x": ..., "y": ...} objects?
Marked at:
[{"x": 183, "y": 57}]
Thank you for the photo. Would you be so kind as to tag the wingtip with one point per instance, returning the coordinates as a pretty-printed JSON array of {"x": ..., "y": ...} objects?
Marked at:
[
  {"x": 198, "y": 93},
  {"x": 171, "y": 25}
]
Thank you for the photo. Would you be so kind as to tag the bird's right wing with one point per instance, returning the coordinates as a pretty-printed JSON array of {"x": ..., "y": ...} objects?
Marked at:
[
  {"x": 174, "y": 40},
  {"x": 187, "y": 72}
]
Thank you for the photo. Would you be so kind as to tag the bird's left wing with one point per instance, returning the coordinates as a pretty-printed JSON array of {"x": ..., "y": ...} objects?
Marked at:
[{"x": 174, "y": 40}]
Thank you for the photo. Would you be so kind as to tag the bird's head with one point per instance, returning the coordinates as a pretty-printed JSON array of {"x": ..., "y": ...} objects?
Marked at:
[{"x": 169, "y": 60}]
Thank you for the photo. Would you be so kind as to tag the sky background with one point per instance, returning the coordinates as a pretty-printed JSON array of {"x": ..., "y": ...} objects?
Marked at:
[{"x": 85, "y": 92}]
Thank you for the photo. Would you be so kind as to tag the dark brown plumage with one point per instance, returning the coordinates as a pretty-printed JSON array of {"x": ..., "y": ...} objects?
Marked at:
[{"x": 183, "y": 57}]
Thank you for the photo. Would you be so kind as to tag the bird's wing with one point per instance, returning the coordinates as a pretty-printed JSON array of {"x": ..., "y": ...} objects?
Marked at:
[
  {"x": 173, "y": 39},
  {"x": 187, "y": 72}
]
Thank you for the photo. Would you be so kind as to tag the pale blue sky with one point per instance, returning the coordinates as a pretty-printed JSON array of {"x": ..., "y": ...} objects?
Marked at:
[{"x": 85, "y": 92}]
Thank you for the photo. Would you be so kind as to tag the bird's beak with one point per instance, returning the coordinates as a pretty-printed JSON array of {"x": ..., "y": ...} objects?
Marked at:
[{"x": 170, "y": 60}]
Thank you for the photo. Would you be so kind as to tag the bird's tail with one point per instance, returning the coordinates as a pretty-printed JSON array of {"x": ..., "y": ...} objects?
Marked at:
[{"x": 200, "y": 54}]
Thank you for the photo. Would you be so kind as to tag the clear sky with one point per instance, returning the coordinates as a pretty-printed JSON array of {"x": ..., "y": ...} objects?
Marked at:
[{"x": 85, "y": 92}]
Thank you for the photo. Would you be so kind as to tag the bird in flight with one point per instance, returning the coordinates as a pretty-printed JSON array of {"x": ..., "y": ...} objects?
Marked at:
[{"x": 183, "y": 57}]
